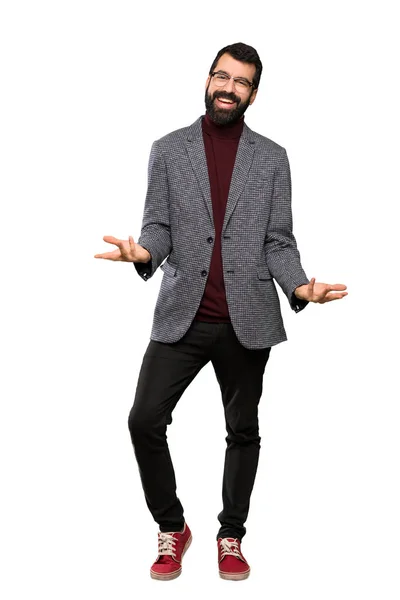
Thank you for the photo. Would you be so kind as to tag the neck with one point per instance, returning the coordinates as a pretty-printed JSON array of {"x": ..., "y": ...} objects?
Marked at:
[{"x": 228, "y": 130}]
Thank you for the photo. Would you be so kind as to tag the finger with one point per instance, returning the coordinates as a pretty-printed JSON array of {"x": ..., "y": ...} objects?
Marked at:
[
  {"x": 110, "y": 239},
  {"x": 115, "y": 255},
  {"x": 338, "y": 286},
  {"x": 326, "y": 290},
  {"x": 132, "y": 246},
  {"x": 333, "y": 297}
]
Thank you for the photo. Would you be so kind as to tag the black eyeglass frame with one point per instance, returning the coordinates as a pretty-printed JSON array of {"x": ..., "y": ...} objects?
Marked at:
[{"x": 234, "y": 78}]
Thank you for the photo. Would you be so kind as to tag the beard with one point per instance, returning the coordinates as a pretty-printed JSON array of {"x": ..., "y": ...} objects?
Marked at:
[{"x": 223, "y": 116}]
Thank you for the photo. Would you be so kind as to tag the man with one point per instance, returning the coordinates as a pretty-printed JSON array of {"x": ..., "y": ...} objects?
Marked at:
[{"x": 218, "y": 205}]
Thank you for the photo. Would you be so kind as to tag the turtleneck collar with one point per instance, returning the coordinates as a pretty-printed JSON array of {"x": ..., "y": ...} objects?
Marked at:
[{"x": 229, "y": 131}]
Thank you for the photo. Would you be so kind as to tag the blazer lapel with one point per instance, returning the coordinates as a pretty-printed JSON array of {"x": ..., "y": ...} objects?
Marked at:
[
  {"x": 197, "y": 155},
  {"x": 243, "y": 161},
  {"x": 244, "y": 158}
]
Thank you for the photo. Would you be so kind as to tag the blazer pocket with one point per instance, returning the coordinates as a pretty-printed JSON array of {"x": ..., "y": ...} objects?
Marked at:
[
  {"x": 263, "y": 273},
  {"x": 169, "y": 268}
]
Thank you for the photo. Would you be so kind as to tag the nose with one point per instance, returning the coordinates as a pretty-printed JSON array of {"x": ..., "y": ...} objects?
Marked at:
[{"x": 230, "y": 85}]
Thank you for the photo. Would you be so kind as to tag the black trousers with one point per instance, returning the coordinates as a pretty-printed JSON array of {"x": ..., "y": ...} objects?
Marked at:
[{"x": 166, "y": 371}]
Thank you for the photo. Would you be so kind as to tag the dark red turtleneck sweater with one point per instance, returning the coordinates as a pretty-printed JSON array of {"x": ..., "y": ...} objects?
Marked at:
[{"x": 221, "y": 143}]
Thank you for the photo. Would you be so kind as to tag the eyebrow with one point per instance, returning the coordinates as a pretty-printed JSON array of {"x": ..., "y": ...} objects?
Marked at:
[{"x": 239, "y": 77}]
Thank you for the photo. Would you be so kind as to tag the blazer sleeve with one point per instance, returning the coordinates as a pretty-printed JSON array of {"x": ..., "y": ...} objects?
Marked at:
[
  {"x": 280, "y": 247},
  {"x": 155, "y": 234}
]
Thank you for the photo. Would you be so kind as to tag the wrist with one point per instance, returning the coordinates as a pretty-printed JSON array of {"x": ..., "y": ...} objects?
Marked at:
[
  {"x": 297, "y": 291},
  {"x": 144, "y": 255}
]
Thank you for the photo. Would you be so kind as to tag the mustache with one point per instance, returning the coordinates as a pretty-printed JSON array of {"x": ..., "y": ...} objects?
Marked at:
[{"x": 226, "y": 96}]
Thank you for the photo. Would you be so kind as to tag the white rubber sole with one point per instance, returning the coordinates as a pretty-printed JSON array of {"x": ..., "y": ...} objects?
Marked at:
[{"x": 234, "y": 576}]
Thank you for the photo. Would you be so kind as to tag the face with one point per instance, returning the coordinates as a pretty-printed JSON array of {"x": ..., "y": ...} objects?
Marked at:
[{"x": 223, "y": 113}]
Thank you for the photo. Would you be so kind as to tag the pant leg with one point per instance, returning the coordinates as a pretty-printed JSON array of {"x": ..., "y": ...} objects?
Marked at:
[
  {"x": 166, "y": 371},
  {"x": 239, "y": 372}
]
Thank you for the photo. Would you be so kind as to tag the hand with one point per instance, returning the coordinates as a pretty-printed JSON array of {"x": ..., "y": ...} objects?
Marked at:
[
  {"x": 127, "y": 250},
  {"x": 319, "y": 292}
]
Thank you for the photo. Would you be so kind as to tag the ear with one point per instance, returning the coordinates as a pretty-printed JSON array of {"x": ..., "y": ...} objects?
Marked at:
[
  {"x": 207, "y": 81},
  {"x": 253, "y": 96}
]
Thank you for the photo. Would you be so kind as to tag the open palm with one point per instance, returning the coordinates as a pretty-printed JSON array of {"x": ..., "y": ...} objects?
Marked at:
[
  {"x": 127, "y": 250},
  {"x": 320, "y": 292}
]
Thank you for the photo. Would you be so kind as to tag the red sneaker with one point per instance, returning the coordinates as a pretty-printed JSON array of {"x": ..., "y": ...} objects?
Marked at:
[
  {"x": 172, "y": 546},
  {"x": 232, "y": 564}
]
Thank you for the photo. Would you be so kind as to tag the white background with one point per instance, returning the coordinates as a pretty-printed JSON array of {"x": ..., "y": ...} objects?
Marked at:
[{"x": 86, "y": 87}]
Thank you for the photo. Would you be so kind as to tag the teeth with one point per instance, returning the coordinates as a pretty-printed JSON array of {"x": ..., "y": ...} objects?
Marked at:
[{"x": 226, "y": 101}]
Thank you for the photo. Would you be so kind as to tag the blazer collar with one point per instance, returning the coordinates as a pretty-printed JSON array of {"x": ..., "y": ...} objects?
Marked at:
[{"x": 195, "y": 131}]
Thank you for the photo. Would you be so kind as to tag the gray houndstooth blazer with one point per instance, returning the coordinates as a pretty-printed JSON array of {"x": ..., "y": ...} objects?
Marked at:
[{"x": 257, "y": 243}]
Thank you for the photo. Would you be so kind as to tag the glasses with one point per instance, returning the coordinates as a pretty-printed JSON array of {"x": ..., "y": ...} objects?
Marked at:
[{"x": 241, "y": 84}]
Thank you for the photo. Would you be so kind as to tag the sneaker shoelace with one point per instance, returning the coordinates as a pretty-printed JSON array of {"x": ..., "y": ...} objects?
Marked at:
[
  {"x": 230, "y": 548},
  {"x": 166, "y": 544}
]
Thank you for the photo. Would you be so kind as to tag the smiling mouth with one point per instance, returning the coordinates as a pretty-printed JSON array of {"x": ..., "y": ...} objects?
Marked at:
[{"x": 224, "y": 102}]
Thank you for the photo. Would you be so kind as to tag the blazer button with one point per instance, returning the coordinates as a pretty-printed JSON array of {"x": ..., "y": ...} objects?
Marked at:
[
  {"x": 210, "y": 239},
  {"x": 204, "y": 272}
]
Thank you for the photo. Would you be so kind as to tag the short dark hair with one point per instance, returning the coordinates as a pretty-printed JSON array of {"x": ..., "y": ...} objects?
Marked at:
[{"x": 244, "y": 53}]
